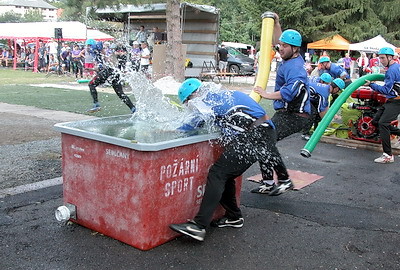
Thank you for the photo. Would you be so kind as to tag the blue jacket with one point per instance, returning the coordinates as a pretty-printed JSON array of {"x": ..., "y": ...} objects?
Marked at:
[
  {"x": 392, "y": 76},
  {"x": 336, "y": 71},
  {"x": 233, "y": 111},
  {"x": 319, "y": 95},
  {"x": 292, "y": 82}
]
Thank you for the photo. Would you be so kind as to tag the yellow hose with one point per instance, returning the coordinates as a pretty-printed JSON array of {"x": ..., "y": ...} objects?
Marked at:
[{"x": 264, "y": 60}]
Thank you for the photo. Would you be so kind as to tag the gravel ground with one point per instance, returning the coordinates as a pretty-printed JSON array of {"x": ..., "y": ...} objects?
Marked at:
[{"x": 30, "y": 150}]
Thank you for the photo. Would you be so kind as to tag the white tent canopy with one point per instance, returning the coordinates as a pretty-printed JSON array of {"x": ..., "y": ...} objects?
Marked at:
[
  {"x": 71, "y": 31},
  {"x": 371, "y": 45}
]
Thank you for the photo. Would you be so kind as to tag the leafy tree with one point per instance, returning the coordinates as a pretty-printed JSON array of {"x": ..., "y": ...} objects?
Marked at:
[
  {"x": 355, "y": 20},
  {"x": 33, "y": 16},
  {"x": 10, "y": 17}
]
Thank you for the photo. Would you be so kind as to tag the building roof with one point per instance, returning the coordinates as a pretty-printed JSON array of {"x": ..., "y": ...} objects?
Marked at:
[
  {"x": 153, "y": 8},
  {"x": 27, "y": 3},
  {"x": 71, "y": 31}
]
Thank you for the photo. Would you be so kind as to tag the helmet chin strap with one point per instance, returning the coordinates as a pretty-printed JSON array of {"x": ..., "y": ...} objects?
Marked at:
[
  {"x": 293, "y": 54},
  {"x": 388, "y": 65}
]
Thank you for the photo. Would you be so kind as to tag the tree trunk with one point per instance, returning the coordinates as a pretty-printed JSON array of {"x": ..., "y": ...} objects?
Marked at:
[{"x": 174, "y": 63}]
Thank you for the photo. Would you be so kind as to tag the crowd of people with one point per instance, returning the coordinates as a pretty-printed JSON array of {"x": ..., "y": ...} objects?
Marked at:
[
  {"x": 364, "y": 63},
  {"x": 78, "y": 58}
]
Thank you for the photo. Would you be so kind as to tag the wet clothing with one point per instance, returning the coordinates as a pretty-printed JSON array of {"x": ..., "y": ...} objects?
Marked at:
[
  {"x": 293, "y": 110},
  {"x": 112, "y": 75},
  {"x": 391, "y": 109},
  {"x": 253, "y": 139}
]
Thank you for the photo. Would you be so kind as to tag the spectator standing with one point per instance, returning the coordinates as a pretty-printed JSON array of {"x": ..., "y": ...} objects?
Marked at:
[
  {"x": 66, "y": 59},
  {"x": 52, "y": 47},
  {"x": 223, "y": 60},
  {"x": 362, "y": 63},
  {"x": 43, "y": 59},
  {"x": 144, "y": 58},
  {"x": 76, "y": 61},
  {"x": 391, "y": 109},
  {"x": 154, "y": 38},
  {"x": 347, "y": 63},
  {"x": 89, "y": 62},
  {"x": 374, "y": 61},
  {"x": 135, "y": 56},
  {"x": 142, "y": 35}
]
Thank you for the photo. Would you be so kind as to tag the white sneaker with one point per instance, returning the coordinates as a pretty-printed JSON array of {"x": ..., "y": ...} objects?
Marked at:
[{"x": 385, "y": 158}]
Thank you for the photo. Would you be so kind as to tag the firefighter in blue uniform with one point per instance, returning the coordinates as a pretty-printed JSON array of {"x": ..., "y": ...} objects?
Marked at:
[
  {"x": 291, "y": 96},
  {"x": 250, "y": 136},
  {"x": 324, "y": 78},
  {"x": 319, "y": 98},
  {"x": 391, "y": 109}
]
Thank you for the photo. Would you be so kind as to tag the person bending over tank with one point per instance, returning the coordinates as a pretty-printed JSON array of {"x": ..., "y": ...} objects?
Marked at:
[{"x": 249, "y": 136}]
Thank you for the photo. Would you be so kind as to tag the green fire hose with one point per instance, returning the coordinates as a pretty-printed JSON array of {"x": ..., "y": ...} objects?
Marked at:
[{"x": 316, "y": 136}]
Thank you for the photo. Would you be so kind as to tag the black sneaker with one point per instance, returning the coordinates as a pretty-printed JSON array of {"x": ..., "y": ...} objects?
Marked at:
[
  {"x": 281, "y": 188},
  {"x": 226, "y": 222},
  {"x": 264, "y": 189},
  {"x": 190, "y": 229}
]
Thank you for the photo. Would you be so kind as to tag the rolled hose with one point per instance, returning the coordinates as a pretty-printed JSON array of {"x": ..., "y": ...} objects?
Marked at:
[
  {"x": 316, "y": 136},
  {"x": 264, "y": 59}
]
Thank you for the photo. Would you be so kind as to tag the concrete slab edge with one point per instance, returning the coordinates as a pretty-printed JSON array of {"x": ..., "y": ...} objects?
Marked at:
[{"x": 30, "y": 187}]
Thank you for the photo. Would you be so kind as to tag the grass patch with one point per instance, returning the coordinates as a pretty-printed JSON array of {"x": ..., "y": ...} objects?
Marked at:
[
  {"x": 10, "y": 76},
  {"x": 15, "y": 88},
  {"x": 75, "y": 101}
]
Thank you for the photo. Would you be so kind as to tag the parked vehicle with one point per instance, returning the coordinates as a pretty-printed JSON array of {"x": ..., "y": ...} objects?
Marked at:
[
  {"x": 239, "y": 63},
  {"x": 246, "y": 49}
]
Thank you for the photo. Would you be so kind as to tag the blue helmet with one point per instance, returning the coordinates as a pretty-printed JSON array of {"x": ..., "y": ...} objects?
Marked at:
[
  {"x": 339, "y": 83},
  {"x": 326, "y": 77},
  {"x": 291, "y": 37},
  {"x": 90, "y": 42},
  {"x": 187, "y": 88},
  {"x": 386, "y": 50},
  {"x": 324, "y": 59}
]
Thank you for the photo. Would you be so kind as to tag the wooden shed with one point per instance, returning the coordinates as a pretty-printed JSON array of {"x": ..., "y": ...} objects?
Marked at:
[{"x": 200, "y": 28}]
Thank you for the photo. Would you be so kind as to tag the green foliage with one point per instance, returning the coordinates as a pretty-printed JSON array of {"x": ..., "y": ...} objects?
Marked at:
[
  {"x": 30, "y": 16},
  {"x": 33, "y": 16},
  {"x": 10, "y": 17},
  {"x": 356, "y": 20},
  {"x": 240, "y": 20}
]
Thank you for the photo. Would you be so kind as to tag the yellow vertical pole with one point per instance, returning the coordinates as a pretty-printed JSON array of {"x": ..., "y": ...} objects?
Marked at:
[{"x": 264, "y": 60}]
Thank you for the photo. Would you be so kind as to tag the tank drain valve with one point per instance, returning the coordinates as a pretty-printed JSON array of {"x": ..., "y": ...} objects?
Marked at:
[{"x": 65, "y": 212}]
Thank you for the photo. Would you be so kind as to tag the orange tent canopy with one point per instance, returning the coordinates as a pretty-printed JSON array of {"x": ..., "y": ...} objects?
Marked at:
[{"x": 337, "y": 42}]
